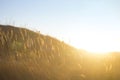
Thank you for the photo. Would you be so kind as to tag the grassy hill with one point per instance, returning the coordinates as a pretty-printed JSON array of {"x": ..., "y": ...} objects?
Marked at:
[
  {"x": 25, "y": 54},
  {"x": 29, "y": 55}
]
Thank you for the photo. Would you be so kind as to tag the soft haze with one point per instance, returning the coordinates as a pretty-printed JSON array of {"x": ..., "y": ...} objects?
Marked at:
[{"x": 93, "y": 25}]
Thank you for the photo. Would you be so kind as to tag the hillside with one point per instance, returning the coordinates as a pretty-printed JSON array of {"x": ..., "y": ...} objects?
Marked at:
[{"x": 29, "y": 55}]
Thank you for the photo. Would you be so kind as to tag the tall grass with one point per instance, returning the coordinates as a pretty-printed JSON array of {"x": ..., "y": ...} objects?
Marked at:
[{"x": 28, "y": 55}]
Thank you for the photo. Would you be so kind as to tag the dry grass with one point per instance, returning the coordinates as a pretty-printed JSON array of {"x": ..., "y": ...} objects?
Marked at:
[{"x": 28, "y": 55}]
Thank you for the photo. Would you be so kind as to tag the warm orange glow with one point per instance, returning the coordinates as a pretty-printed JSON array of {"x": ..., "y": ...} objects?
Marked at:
[{"x": 96, "y": 43}]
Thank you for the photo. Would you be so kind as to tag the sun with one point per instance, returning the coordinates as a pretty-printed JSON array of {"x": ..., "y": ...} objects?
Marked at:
[
  {"x": 96, "y": 44},
  {"x": 94, "y": 47}
]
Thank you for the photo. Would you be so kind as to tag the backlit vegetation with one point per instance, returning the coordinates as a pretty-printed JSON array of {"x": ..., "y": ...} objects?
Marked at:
[{"x": 28, "y": 55}]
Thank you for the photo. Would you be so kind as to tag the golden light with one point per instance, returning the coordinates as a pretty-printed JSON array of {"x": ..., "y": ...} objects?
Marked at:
[{"x": 96, "y": 43}]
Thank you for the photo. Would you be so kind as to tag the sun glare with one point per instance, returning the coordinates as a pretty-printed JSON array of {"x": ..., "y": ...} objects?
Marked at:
[{"x": 96, "y": 44}]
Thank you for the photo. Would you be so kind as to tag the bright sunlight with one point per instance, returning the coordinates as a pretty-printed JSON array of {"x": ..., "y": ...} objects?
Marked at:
[{"x": 98, "y": 43}]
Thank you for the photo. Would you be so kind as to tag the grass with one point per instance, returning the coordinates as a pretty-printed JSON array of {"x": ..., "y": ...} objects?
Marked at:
[{"x": 28, "y": 55}]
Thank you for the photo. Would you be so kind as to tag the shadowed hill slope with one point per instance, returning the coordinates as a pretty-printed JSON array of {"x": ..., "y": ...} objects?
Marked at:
[
  {"x": 20, "y": 40},
  {"x": 28, "y": 55},
  {"x": 33, "y": 56}
]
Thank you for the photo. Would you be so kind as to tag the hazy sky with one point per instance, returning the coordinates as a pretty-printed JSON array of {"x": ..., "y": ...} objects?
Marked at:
[{"x": 93, "y": 25}]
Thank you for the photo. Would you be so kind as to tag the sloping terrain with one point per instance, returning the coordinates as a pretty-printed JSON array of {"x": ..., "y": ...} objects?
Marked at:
[
  {"x": 25, "y": 54},
  {"x": 29, "y": 55}
]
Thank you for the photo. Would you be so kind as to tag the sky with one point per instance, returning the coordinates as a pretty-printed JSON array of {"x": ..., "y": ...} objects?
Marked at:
[{"x": 93, "y": 25}]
